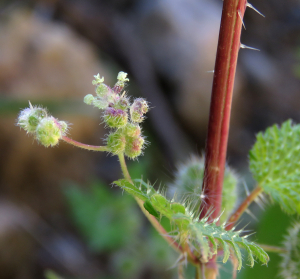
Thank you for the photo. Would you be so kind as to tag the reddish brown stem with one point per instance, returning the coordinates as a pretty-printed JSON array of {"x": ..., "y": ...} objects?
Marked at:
[
  {"x": 218, "y": 127},
  {"x": 241, "y": 209},
  {"x": 83, "y": 145}
]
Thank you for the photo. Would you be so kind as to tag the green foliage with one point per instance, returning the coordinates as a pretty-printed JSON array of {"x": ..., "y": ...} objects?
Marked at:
[
  {"x": 200, "y": 234},
  {"x": 101, "y": 216},
  {"x": 290, "y": 264},
  {"x": 275, "y": 162},
  {"x": 188, "y": 186}
]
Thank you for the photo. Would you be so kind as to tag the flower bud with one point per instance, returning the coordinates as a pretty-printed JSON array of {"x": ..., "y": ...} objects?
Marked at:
[
  {"x": 48, "y": 132},
  {"x": 102, "y": 90},
  {"x": 134, "y": 146},
  {"x": 122, "y": 79},
  {"x": 100, "y": 104},
  {"x": 89, "y": 99},
  {"x": 122, "y": 103},
  {"x": 138, "y": 109},
  {"x": 116, "y": 142},
  {"x": 115, "y": 118},
  {"x": 132, "y": 130},
  {"x": 29, "y": 118},
  {"x": 97, "y": 80}
]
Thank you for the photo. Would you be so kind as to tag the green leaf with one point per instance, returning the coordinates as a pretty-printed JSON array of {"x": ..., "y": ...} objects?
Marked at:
[
  {"x": 200, "y": 234},
  {"x": 149, "y": 207},
  {"x": 131, "y": 189},
  {"x": 275, "y": 162},
  {"x": 202, "y": 231}
]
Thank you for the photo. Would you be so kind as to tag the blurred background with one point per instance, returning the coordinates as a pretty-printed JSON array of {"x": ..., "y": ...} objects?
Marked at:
[{"x": 59, "y": 213}]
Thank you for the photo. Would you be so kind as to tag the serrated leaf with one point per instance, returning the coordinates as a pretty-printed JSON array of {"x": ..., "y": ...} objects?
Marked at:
[
  {"x": 203, "y": 230},
  {"x": 131, "y": 189},
  {"x": 275, "y": 164},
  {"x": 200, "y": 234}
]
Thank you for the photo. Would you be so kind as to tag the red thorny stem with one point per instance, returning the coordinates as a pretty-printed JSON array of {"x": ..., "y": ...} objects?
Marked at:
[
  {"x": 220, "y": 108},
  {"x": 218, "y": 127}
]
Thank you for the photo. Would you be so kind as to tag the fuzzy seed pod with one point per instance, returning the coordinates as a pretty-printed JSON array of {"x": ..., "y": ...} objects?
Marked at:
[
  {"x": 116, "y": 142},
  {"x": 48, "y": 132},
  {"x": 138, "y": 109},
  {"x": 115, "y": 118},
  {"x": 102, "y": 90},
  {"x": 122, "y": 103},
  {"x": 132, "y": 130},
  {"x": 89, "y": 99},
  {"x": 134, "y": 146},
  {"x": 29, "y": 118},
  {"x": 100, "y": 104}
]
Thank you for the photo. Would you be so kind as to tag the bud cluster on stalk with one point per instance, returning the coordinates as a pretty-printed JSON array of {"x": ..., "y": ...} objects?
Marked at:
[
  {"x": 119, "y": 114},
  {"x": 46, "y": 129}
]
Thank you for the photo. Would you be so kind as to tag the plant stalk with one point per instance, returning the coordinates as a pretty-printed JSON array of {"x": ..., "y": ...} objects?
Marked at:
[
  {"x": 220, "y": 108},
  {"x": 150, "y": 217},
  {"x": 243, "y": 206},
  {"x": 83, "y": 145}
]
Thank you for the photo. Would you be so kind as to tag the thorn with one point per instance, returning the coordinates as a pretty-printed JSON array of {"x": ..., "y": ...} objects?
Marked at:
[
  {"x": 240, "y": 15},
  {"x": 251, "y": 214},
  {"x": 252, "y": 48},
  {"x": 210, "y": 71},
  {"x": 259, "y": 203},
  {"x": 246, "y": 188},
  {"x": 251, "y": 7}
]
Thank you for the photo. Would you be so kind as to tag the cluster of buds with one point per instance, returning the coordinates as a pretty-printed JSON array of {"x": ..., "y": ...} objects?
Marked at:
[
  {"x": 120, "y": 115},
  {"x": 45, "y": 128}
]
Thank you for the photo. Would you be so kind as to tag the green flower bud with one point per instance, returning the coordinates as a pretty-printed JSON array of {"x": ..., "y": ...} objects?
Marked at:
[
  {"x": 122, "y": 103},
  {"x": 89, "y": 99},
  {"x": 115, "y": 118},
  {"x": 116, "y": 142},
  {"x": 29, "y": 118},
  {"x": 97, "y": 80},
  {"x": 102, "y": 90},
  {"x": 48, "y": 132},
  {"x": 138, "y": 109},
  {"x": 132, "y": 130},
  {"x": 134, "y": 146},
  {"x": 122, "y": 79},
  {"x": 100, "y": 104}
]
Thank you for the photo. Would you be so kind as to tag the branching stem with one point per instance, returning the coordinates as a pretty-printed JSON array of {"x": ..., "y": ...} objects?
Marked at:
[
  {"x": 244, "y": 205},
  {"x": 150, "y": 217},
  {"x": 83, "y": 145}
]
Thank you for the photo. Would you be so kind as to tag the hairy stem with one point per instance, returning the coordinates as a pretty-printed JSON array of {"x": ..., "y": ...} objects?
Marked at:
[
  {"x": 220, "y": 108},
  {"x": 243, "y": 206},
  {"x": 84, "y": 146},
  {"x": 155, "y": 223}
]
